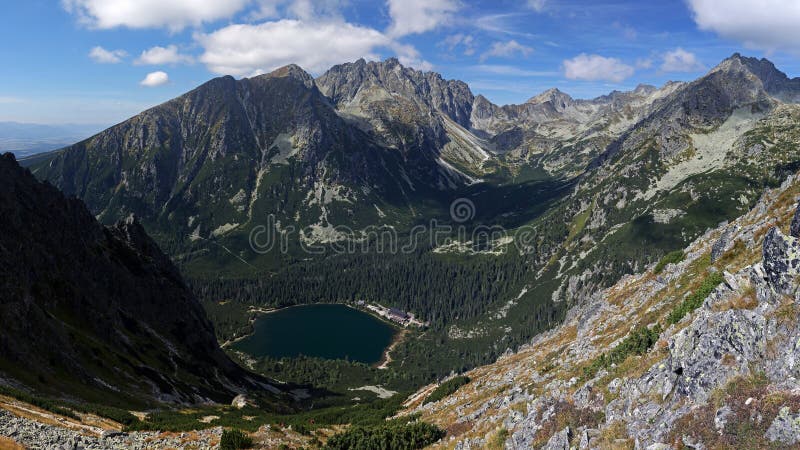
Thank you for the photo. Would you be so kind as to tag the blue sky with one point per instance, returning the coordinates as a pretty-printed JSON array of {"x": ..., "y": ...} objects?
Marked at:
[{"x": 101, "y": 61}]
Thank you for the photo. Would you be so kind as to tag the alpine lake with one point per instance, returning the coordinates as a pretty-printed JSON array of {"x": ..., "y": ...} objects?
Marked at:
[{"x": 327, "y": 331}]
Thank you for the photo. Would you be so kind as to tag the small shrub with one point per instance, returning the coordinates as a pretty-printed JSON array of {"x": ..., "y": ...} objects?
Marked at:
[
  {"x": 391, "y": 436},
  {"x": 670, "y": 258},
  {"x": 695, "y": 300},
  {"x": 109, "y": 412},
  {"x": 498, "y": 440},
  {"x": 234, "y": 440},
  {"x": 638, "y": 342},
  {"x": 446, "y": 388},
  {"x": 565, "y": 414}
]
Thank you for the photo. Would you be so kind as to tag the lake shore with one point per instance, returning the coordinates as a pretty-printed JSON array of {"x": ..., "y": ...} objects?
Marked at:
[
  {"x": 386, "y": 359},
  {"x": 257, "y": 312}
]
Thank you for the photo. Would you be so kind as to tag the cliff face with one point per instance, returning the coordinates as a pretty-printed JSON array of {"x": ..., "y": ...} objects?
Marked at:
[
  {"x": 701, "y": 352},
  {"x": 89, "y": 311}
]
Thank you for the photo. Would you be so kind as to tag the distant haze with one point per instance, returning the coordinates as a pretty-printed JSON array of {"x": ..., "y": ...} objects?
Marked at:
[{"x": 26, "y": 139}]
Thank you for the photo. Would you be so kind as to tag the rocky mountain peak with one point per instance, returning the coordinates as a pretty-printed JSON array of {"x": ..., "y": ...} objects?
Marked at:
[
  {"x": 292, "y": 71},
  {"x": 558, "y": 99},
  {"x": 645, "y": 89},
  {"x": 344, "y": 82},
  {"x": 775, "y": 82}
]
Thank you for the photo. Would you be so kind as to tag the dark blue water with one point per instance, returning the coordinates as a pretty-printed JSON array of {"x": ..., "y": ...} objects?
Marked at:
[{"x": 324, "y": 331}]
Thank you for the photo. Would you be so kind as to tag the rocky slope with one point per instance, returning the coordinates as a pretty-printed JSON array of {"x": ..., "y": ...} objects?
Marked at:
[
  {"x": 96, "y": 313},
  {"x": 218, "y": 160},
  {"x": 723, "y": 375},
  {"x": 701, "y": 154}
]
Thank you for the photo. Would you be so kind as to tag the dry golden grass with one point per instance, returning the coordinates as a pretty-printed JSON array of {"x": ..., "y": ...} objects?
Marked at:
[
  {"x": 613, "y": 437},
  {"x": 8, "y": 444},
  {"x": 745, "y": 300}
]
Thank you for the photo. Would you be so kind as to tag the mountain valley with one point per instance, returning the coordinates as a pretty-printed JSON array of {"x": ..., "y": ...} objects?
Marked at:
[{"x": 580, "y": 265}]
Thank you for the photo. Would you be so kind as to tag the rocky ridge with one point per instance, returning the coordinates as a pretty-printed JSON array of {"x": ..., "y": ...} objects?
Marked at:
[{"x": 725, "y": 375}]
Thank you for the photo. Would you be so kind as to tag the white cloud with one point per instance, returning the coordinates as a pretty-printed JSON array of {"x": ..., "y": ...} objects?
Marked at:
[
  {"x": 596, "y": 68},
  {"x": 410, "y": 56},
  {"x": 157, "y": 56},
  {"x": 103, "y": 56},
  {"x": 172, "y": 14},
  {"x": 419, "y": 16},
  {"x": 463, "y": 40},
  {"x": 246, "y": 50},
  {"x": 537, "y": 5},
  {"x": 266, "y": 9},
  {"x": 154, "y": 79},
  {"x": 762, "y": 24},
  {"x": 506, "y": 49},
  {"x": 679, "y": 60}
]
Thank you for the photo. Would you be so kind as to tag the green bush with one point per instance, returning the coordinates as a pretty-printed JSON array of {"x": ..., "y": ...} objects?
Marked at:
[
  {"x": 670, "y": 258},
  {"x": 391, "y": 436},
  {"x": 234, "y": 440},
  {"x": 638, "y": 342},
  {"x": 109, "y": 412},
  {"x": 695, "y": 300},
  {"x": 446, "y": 388}
]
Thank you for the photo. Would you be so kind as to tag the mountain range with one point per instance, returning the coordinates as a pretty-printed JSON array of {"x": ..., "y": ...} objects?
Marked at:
[
  {"x": 586, "y": 192},
  {"x": 606, "y": 185}
]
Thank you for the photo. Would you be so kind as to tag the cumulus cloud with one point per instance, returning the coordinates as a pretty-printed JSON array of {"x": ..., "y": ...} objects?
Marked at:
[
  {"x": 761, "y": 24},
  {"x": 246, "y": 50},
  {"x": 154, "y": 79},
  {"x": 173, "y": 14},
  {"x": 506, "y": 49},
  {"x": 596, "y": 68},
  {"x": 419, "y": 16},
  {"x": 679, "y": 60},
  {"x": 157, "y": 56},
  {"x": 103, "y": 56}
]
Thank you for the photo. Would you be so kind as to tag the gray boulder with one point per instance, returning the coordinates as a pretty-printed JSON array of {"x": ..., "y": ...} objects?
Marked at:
[
  {"x": 559, "y": 441},
  {"x": 794, "y": 228},
  {"x": 723, "y": 244},
  {"x": 781, "y": 260},
  {"x": 697, "y": 352},
  {"x": 785, "y": 429},
  {"x": 721, "y": 418}
]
